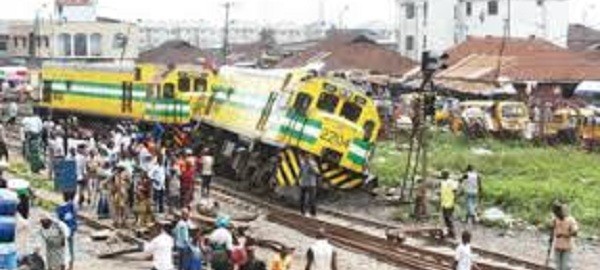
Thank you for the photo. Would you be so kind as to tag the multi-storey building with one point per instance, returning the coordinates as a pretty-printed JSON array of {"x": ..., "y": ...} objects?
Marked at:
[
  {"x": 437, "y": 25},
  {"x": 73, "y": 33}
]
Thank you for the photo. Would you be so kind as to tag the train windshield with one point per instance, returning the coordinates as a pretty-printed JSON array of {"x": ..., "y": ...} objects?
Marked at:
[
  {"x": 328, "y": 102},
  {"x": 351, "y": 111}
]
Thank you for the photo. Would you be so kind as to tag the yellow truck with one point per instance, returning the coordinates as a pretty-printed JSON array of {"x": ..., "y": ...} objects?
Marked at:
[{"x": 494, "y": 117}]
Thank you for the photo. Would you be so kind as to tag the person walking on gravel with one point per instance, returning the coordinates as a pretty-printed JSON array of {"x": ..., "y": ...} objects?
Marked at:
[
  {"x": 448, "y": 200},
  {"x": 473, "y": 190},
  {"x": 308, "y": 184},
  {"x": 321, "y": 255},
  {"x": 564, "y": 230}
]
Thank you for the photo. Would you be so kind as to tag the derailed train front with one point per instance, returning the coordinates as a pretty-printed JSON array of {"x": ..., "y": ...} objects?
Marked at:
[{"x": 334, "y": 121}]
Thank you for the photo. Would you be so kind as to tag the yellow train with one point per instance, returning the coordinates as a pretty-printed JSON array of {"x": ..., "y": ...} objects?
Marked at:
[{"x": 259, "y": 119}]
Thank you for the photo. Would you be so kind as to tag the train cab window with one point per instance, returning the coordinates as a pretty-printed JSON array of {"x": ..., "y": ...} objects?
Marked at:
[
  {"x": 169, "y": 90},
  {"x": 368, "y": 129},
  {"x": 68, "y": 85},
  {"x": 351, "y": 111},
  {"x": 200, "y": 84},
  {"x": 302, "y": 103},
  {"x": 328, "y": 102},
  {"x": 183, "y": 83}
]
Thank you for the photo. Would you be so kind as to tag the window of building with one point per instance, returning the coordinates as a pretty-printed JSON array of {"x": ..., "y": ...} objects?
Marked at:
[
  {"x": 493, "y": 7},
  {"x": 96, "y": 44},
  {"x": 540, "y": 2},
  {"x": 24, "y": 42},
  {"x": 119, "y": 41},
  {"x": 81, "y": 46},
  {"x": 46, "y": 41},
  {"x": 16, "y": 42},
  {"x": 3, "y": 45},
  {"x": 351, "y": 111},
  {"x": 410, "y": 43},
  {"x": 302, "y": 103},
  {"x": 64, "y": 44},
  {"x": 38, "y": 41},
  {"x": 469, "y": 8},
  {"x": 328, "y": 102},
  {"x": 410, "y": 10}
]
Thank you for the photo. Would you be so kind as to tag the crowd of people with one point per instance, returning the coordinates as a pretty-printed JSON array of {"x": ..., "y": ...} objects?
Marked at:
[{"x": 129, "y": 176}]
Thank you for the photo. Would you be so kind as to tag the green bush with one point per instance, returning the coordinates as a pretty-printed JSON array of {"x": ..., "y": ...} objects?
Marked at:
[{"x": 521, "y": 178}]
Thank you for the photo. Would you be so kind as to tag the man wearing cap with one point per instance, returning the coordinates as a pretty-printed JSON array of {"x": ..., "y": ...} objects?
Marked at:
[
  {"x": 221, "y": 241},
  {"x": 53, "y": 239}
]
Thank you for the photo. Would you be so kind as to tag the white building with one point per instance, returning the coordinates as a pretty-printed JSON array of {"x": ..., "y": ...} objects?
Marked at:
[
  {"x": 74, "y": 33},
  {"x": 436, "y": 25},
  {"x": 210, "y": 36}
]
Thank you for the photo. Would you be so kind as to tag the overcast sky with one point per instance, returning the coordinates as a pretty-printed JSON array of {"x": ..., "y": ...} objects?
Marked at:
[{"x": 358, "y": 12}]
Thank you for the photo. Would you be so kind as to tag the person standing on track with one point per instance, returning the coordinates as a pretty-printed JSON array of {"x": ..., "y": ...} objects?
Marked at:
[
  {"x": 207, "y": 161},
  {"x": 448, "y": 200},
  {"x": 321, "y": 255},
  {"x": 308, "y": 184},
  {"x": 464, "y": 257},
  {"x": 564, "y": 230}
]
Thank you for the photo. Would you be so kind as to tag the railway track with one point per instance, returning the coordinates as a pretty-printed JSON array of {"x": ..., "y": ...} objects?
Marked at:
[{"x": 409, "y": 256}]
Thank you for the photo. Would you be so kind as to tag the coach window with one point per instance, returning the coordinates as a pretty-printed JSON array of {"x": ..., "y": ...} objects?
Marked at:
[
  {"x": 169, "y": 90},
  {"x": 183, "y": 83},
  {"x": 351, "y": 111},
  {"x": 302, "y": 103},
  {"x": 328, "y": 102},
  {"x": 200, "y": 84}
]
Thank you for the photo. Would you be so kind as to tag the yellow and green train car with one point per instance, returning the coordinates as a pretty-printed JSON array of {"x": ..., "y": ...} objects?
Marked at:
[
  {"x": 329, "y": 118},
  {"x": 144, "y": 92}
]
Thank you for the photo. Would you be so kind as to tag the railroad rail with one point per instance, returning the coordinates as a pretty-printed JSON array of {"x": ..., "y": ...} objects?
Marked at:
[{"x": 403, "y": 255}]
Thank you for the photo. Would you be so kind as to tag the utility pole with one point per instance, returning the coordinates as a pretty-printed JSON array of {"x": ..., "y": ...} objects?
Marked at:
[
  {"x": 225, "y": 48},
  {"x": 423, "y": 108}
]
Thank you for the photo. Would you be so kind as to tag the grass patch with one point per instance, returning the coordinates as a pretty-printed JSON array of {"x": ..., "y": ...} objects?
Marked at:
[{"x": 521, "y": 178}]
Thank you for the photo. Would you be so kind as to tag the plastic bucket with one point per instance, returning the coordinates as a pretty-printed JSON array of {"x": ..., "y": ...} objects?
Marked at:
[
  {"x": 7, "y": 229},
  {"x": 8, "y": 202}
]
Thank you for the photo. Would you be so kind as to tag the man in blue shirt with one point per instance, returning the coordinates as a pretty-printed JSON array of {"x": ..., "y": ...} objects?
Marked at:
[{"x": 67, "y": 213}]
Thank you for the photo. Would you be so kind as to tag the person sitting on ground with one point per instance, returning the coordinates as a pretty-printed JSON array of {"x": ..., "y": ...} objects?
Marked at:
[{"x": 464, "y": 257}]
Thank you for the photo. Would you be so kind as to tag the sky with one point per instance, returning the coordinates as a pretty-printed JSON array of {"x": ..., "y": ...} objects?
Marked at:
[{"x": 351, "y": 13}]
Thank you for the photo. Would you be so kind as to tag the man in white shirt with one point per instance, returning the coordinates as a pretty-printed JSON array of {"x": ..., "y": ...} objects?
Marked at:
[
  {"x": 161, "y": 250},
  {"x": 207, "y": 161},
  {"x": 158, "y": 176},
  {"x": 464, "y": 257},
  {"x": 321, "y": 255}
]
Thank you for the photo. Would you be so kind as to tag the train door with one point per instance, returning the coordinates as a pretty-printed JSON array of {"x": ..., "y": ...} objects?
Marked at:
[{"x": 127, "y": 97}]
